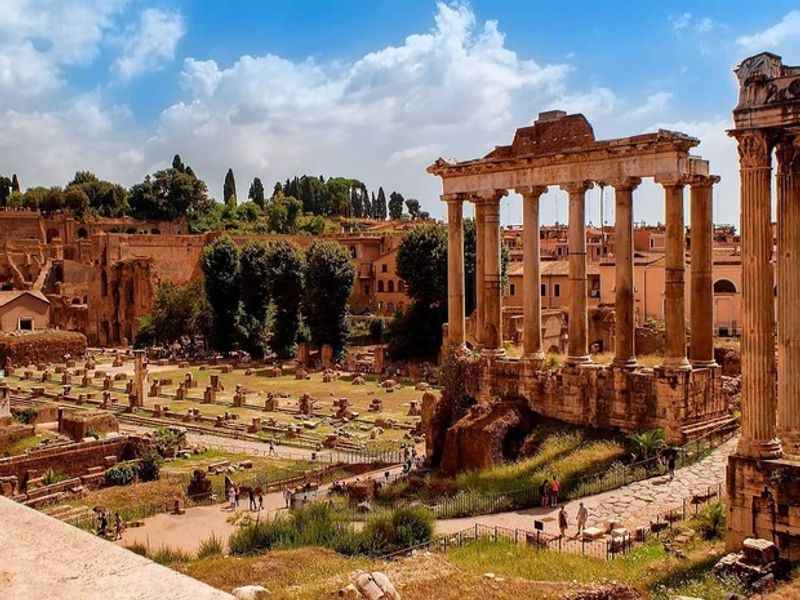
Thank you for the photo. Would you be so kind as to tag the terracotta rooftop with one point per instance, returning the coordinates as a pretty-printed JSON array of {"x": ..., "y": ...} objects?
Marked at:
[{"x": 10, "y": 296}]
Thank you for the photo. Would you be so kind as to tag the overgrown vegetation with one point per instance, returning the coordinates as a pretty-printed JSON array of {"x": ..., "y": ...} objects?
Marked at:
[{"x": 317, "y": 525}]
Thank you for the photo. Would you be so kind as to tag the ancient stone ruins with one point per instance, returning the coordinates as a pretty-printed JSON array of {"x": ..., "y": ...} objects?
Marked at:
[{"x": 683, "y": 396}]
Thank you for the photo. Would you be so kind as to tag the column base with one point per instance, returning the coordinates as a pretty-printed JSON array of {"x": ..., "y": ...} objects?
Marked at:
[
  {"x": 672, "y": 363},
  {"x": 493, "y": 352},
  {"x": 579, "y": 360},
  {"x": 625, "y": 363},
  {"x": 764, "y": 449},
  {"x": 535, "y": 360},
  {"x": 790, "y": 443},
  {"x": 704, "y": 364}
]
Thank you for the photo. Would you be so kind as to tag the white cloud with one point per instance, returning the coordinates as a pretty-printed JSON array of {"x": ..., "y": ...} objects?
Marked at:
[
  {"x": 652, "y": 106},
  {"x": 784, "y": 33},
  {"x": 150, "y": 43},
  {"x": 688, "y": 22},
  {"x": 597, "y": 102},
  {"x": 40, "y": 38},
  {"x": 681, "y": 21}
]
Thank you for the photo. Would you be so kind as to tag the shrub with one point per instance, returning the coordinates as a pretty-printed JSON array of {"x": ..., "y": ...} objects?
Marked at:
[
  {"x": 139, "y": 548},
  {"x": 169, "y": 556},
  {"x": 646, "y": 444},
  {"x": 412, "y": 525},
  {"x": 150, "y": 466},
  {"x": 168, "y": 440},
  {"x": 26, "y": 415},
  {"x": 711, "y": 521},
  {"x": 376, "y": 330},
  {"x": 211, "y": 546},
  {"x": 52, "y": 476},
  {"x": 121, "y": 474}
]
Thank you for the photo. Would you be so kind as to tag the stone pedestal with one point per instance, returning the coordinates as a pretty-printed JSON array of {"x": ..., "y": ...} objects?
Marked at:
[{"x": 764, "y": 502}]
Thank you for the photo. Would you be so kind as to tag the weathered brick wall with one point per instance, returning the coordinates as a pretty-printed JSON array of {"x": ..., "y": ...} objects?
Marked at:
[{"x": 72, "y": 459}]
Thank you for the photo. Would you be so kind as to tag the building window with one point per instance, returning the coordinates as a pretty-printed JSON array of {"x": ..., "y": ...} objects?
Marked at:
[
  {"x": 380, "y": 285},
  {"x": 391, "y": 285},
  {"x": 557, "y": 290},
  {"x": 26, "y": 324},
  {"x": 384, "y": 268},
  {"x": 513, "y": 289},
  {"x": 544, "y": 290},
  {"x": 353, "y": 251}
]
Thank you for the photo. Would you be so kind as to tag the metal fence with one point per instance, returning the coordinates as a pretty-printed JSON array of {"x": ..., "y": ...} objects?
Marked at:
[{"x": 610, "y": 478}]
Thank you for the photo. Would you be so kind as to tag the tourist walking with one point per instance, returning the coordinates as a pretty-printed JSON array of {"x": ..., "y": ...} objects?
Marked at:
[
  {"x": 251, "y": 493},
  {"x": 671, "y": 460},
  {"x": 232, "y": 497},
  {"x": 236, "y": 493},
  {"x": 583, "y": 516},
  {"x": 544, "y": 493},
  {"x": 562, "y": 521},
  {"x": 555, "y": 489},
  {"x": 260, "y": 493},
  {"x": 271, "y": 448},
  {"x": 103, "y": 530},
  {"x": 287, "y": 496},
  {"x": 118, "y": 526}
]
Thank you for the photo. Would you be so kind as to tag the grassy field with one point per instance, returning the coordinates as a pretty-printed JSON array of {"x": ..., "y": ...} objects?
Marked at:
[{"x": 28, "y": 443}]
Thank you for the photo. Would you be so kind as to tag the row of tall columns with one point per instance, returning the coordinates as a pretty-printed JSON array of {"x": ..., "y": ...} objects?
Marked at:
[
  {"x": 488, "y": 278},
  {"x": 788, "y": 271},
  {"x": 758, "y": 439}
]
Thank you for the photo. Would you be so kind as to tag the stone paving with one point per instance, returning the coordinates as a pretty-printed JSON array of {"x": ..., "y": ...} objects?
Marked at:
[{"x": 632, "y": 506}]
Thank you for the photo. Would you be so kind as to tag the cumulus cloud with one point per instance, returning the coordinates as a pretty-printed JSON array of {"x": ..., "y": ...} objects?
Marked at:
[
  {"x": 150, "y": 43},
  {"x": 689, "y": 22},
  {"x": 783, "y": 34},
  {"x": 40, "y": 38}
]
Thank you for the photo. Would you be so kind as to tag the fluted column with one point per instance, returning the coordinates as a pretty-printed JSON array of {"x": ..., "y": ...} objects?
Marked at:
[
  {"x": 531, "y": 274},
  {"x": 788, "y": 263},
  {"x": 675, "y": 266},
  {"x": 492, "y": 330},
  {"x": 480, "y": 250},
  {"x": 624, "y": 351},
  {"x": 701, "y": 317},
  {"x": 578, "y": 349},
  {"x": 455, "y": 268},
  {"x": 758, "y": 439}
]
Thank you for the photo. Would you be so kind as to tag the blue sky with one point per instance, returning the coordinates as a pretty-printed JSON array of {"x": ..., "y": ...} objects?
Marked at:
[{"x": 373, "y": 90}]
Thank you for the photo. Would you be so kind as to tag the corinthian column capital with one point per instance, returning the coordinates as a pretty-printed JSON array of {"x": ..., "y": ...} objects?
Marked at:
[
  {"x": 489, "y": 196},
  {"x": 673, "y": 180},
  {"x": 703, "y": 181},
  {"x": 457, "y": 197},
  {"x": 787, "y": 151},
  {"x": 755, "y": 148},
  {"x": 577, "y": 187},
  {"x": 624, "y": 184}
]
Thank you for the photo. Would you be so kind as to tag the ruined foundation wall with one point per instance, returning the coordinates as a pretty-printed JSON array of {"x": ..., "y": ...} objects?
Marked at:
[{"x": 40, "y": 346}]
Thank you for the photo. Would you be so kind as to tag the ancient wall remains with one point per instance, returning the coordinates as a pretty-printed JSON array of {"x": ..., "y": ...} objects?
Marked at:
[{"x": 22, "y": 348}]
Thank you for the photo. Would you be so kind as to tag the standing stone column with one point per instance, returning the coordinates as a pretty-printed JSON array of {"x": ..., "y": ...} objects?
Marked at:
[
  {"x": 758, "y": 439},
  {"x": 455, "y": 268},
  {"x": 788, "y": 263},
  {"x": 492, "y": 330},
  {"x": 531, "y": 274},
  {"x": 480, "y": 250},
  {"x": 578, "y": 350},
  {"x": 701, "y": 346},
  {"x": 675, "y": 265},
  {"x": 624, "y": 351},
  {"x": 140, "y": 384}
]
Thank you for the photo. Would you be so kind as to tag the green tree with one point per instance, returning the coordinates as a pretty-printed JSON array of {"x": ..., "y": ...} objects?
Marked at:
[
  {"x": 171, "y": 193},
  {"x": 328, "y": 282},
  {"x": 105, "y": 198},
  {"x": 422, "y": 263},
  {"x": 76, "y": 201},
  {"x": 285, "y": 265},
  {"x": 5, "y": 190},
  {"x": 220, "y": 264},
  {"x": 15, "y": 184},
  {"x": 254, "y": 292},
  {"x": 396, "y": 206},
  {"x": 53, "y": 201},
  {"x": 379, "y": 207},
  {"x": 282, "y": 214},
  {"x": 413, "y": 208},
  {"x": 178, "y": 311},
  {"x": 256, "y": 193},
  {"x": 229, "y": 189}
]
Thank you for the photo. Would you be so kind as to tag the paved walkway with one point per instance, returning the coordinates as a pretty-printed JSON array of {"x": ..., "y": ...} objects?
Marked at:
[{"x": 633, "y": 505}]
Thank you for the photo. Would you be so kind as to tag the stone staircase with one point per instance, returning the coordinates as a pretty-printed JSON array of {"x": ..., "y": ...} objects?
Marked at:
[
  {"x": 721, "y": 424},
  {"x": 69, "y": 514}
]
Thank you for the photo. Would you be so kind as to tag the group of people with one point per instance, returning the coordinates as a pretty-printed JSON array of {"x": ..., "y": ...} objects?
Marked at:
[
  {"x": 255, "y": 495},
  {"x": 103, "y": 528},
  {"x": 549, "y": 491},
  {"x": 581, "y": 518}
]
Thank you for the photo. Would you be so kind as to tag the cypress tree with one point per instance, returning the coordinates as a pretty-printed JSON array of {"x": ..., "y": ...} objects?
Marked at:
[
  {"x": 14, "y": 183},
  {"x": 256, "y": 193},
  {"x": 229, "y": 189},
  {"x": 380, "y": 209}
]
